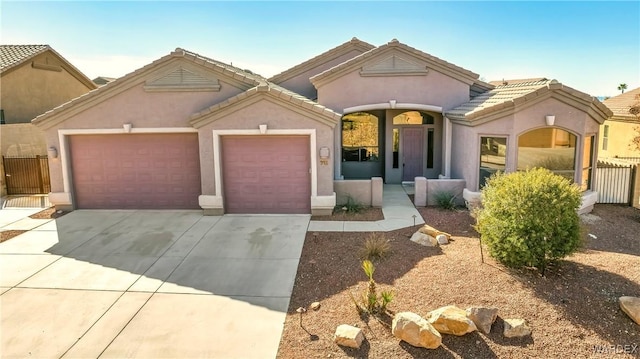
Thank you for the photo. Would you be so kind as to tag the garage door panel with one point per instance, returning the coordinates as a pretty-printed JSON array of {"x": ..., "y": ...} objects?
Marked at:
[
  {"x": 266, "y": 174},
  {"x": 136, "y": 171}
]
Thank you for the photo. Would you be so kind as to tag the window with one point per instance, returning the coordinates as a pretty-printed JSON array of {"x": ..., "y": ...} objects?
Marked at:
[
  {"x": 360, "y": 137},
  {"x": 587, "y": 162},
  {"x": 413, "y": 118},
  {"x": 605, "y": 138},
  {"x": 430, "y": 148},
  {"x": 550, "y": 148},
  {"x": 493, "y": 157},
  {"x": 396, "y": 147},
  {"x": 2, "y": 117}
]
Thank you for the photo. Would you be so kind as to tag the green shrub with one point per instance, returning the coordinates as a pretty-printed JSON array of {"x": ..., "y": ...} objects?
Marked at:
[
  {"x": 529, "y": 218},
  {"x": 376, "y": 246},
  {"x": 370, "y": 301},
  {"x": 445, "y": 200}
]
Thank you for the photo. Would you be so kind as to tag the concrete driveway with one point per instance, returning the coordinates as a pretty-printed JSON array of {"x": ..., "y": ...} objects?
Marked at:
[{"x": 148, "y": 284}]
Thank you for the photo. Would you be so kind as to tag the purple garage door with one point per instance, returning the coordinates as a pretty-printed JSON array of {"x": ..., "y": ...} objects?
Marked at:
[
  {"x": 266, "y": 174},
  {"x": 136, "y": 171}
]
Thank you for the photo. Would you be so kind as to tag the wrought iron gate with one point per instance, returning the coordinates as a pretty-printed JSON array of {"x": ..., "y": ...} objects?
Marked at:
[{"x": 27, "y": 175}]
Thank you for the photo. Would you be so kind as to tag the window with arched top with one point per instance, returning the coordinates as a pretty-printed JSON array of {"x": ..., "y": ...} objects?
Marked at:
[
  {"x": 550, "y": 148},
  {"x": 413, "y": 118}
]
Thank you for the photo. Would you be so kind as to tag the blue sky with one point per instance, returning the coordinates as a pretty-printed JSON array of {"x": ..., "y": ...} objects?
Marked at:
[{"x": 590, "y": 46}]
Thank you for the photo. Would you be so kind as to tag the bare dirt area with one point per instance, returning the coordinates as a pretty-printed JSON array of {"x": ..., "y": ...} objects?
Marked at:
[
  {"x": 7, "y": 235},
  {"x": 365, "y": 214},
  {"x": 49, "y": 213},
  {"x": 573, "y": 311}
]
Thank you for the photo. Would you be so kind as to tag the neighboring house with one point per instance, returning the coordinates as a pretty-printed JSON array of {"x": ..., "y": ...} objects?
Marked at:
[
  {"x": 187, "y": 131},
  {"x": 34, "y": 79},
  {"x": 617, "y": 132},
  {"x": 102, "y": 80}
]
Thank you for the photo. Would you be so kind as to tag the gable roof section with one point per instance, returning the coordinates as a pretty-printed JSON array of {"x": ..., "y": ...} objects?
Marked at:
[
  {"x": 354, "y": 44},
  {"x": 273, "y": 92},
  {"x": 433, "y": 62},
  {"x": 506, "y": 99},
  {"x": 621, "y": 104},
  {"x": 113, "y": 88},
  {"x": 13, "y": 56}
]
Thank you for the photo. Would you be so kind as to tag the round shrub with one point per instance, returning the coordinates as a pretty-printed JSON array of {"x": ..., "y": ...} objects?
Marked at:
[{"x": 529, "y": 218}]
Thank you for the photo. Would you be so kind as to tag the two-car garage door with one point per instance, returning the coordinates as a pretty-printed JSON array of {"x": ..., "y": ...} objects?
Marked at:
[
  {"x": 260, "y": 174},
  {"x": 136, "y": 171}
]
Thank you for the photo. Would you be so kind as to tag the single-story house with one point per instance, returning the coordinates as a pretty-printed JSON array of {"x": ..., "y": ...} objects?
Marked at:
[
  {"x": 187, "y": 131},
  {"x": 617, "y": 132}
]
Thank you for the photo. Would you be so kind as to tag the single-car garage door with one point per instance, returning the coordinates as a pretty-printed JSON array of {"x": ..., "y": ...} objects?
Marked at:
[
  {"x": 266, "y": 174},
  {"x": 136, "y": 171}
]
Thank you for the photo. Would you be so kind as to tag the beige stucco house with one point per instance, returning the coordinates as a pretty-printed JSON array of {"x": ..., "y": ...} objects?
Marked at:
[
  {"x": 187, "y": 131},
  {"x": 617, "y": 132},
  {"x": 33, "y": 79}
]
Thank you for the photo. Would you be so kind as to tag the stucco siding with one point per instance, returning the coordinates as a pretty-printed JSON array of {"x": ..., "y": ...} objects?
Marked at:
[
  {"x": 620, "y": 136},
  {"x": 352, "y": 89},
  {"x": 28, "y": 92},
  {"x": 301, "y": 84},
  {"x": 276, "y": 117}
]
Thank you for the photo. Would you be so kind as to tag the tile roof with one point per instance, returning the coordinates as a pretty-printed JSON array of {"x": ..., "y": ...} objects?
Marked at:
[
  {"x": 353, "y": 44},
  {"x": 516, "y": 92},
  {"x": 497, "y": 97},
  {"x": 516, "y": 81},
  {"x": 435, "y": 62},
  {"x": 621, "y": 104},
  {"x": 13, "y": 55}
]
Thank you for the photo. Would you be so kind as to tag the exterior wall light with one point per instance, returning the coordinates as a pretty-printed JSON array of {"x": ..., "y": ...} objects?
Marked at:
[
  {"x": 127, "y": 127},
  {"x": 263, "y": 128},
  {"x": 52, "y": 152}
]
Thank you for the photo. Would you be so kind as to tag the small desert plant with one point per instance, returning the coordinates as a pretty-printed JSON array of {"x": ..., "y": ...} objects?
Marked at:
[
  {"x": 376, "y": 246},
  {"x": 352, "y": 206},
  {"x": 529, "y": 218},
  {"x": 371, "y": 302},
  {"x": 445, "y": 200}
]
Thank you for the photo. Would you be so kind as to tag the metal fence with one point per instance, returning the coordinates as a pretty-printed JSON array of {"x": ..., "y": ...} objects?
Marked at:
[
  {"x": 27, "y": 175},
  {"x": 614, "y": 183}
]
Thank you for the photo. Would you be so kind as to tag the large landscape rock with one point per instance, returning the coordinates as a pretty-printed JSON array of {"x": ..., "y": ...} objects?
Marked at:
[
  {"x": 631, "y": 306},
  {"x": 451, "y": 320},
  {"x": 516, "y": 328},
  {"x": 424, "y": 239},
  {"x": 427, "y": 229},
  {"x": 348, "y": 336},
  {"x": 482, "y": 317},
  {"x": 415, "y": 330}
]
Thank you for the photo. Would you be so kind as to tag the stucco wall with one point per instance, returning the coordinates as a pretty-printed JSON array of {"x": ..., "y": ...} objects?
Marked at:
[
  {"x": 434, "y": 88},
  {"x": 22, "y": 139},
  {"x": 139, "y": 108},
  {"x": 28, "y": 92},
  {"x": 619, "y": 143},
  {"x": 466, "y": 140},
  {"x": 276, "y": 117},
  {"x": 301, "y": 84}
]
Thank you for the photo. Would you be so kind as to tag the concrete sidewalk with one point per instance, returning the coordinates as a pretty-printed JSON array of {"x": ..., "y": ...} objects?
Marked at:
[{"x": 397, "y": 209}]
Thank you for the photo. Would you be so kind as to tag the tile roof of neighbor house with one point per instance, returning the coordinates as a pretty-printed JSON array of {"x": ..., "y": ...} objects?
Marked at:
[
  {"x": 14, "y": 55},
  {"x": 514, "y": 92},
  {"x": 621, "y": 104},
  {"x": 435, "y": 62},
  {"x": 250, "y": 79},
  {"x": 351, "y": 45}
]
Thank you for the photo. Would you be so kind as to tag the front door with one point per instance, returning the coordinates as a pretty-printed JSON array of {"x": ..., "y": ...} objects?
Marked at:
[{"x": 412, "y": 152}]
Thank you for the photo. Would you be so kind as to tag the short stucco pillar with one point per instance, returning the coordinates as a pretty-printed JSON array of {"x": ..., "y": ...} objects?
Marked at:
[
  {"x": 376, "y": 191},
  {"x": 420, "y": 198}
]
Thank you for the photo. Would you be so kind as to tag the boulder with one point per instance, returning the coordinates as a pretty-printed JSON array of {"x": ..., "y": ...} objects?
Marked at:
[
  {"x": 442, "y": 239},
  {"x": 482, "y": 317},
  {"x": 631, "y": 306},
  {"x": 428, "y": 230},
  {"x": 451, "y": 320},
  {"x": 415, "y": 330},
  {"x": 315, "y": 305},
  {"x": 348, "y": 336},
  {"x": 424, "y": 239},
  {"x": 516, "y": 328}
]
